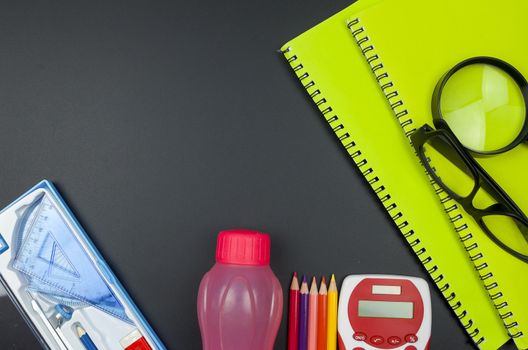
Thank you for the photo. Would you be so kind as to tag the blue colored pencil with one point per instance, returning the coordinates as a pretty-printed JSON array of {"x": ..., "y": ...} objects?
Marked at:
[
  {"x": 303, "y": 315},
  {"x": 85, "y": 338}
]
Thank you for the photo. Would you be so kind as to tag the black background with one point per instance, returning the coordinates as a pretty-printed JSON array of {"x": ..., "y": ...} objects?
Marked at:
[{"x": 164, "y": 122}]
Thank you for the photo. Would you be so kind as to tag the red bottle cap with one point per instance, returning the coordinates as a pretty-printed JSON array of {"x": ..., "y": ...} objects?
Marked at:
[{"x": 243, "y": 247}]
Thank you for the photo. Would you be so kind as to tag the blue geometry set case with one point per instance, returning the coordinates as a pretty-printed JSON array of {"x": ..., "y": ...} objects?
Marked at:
[{"x": 60, "y": 283}]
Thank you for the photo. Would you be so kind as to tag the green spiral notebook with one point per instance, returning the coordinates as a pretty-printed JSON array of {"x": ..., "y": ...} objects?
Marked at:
[
  {"x": 330, "y": 67},
  {"x": 408, "y": 57}
]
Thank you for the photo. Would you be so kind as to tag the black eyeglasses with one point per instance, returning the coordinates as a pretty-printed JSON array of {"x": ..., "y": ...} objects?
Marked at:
[
  {"x": 453, "y": 168},
  {"x": 479, "y": 107}
]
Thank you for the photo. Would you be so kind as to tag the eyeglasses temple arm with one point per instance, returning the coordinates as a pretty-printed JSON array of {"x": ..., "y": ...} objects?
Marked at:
[{"x": 452, "y": 156}]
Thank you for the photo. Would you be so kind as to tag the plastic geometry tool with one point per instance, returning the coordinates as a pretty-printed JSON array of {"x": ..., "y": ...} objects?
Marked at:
[{"x": 55, "y": 263}]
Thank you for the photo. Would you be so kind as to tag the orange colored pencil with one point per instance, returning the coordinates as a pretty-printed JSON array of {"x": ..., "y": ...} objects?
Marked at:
[
  {"x": 312, "y": 316},
  {"x": 322, "y": 315}
]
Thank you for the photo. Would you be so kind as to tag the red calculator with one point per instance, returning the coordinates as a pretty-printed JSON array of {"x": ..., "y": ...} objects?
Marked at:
[{"x": 384, "y": 312}]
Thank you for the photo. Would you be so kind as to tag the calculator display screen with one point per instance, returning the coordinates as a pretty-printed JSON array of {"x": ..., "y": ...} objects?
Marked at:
[{"x": 385, "y": 309}]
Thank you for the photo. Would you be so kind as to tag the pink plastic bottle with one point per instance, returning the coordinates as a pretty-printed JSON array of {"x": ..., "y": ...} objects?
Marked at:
[{"x": 240, "y": 299}]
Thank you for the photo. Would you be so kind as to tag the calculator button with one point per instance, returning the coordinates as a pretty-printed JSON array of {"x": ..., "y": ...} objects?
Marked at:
[
  {"x": 360, "y": 336},
  {"x": 377, "y": 339},
  {"x": 411, "y": 338},
  {"x": 394, "y": 340},
  {"x": 410, "y": 347}
]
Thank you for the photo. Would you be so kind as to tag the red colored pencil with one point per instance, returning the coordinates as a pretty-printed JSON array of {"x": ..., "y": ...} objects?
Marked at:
[
  {"x": 322, "y": 316},
  {"x": 293, "y": 316}
]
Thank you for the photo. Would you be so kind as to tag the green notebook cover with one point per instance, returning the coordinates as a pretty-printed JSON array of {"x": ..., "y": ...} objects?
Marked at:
[
  {"x": 329, "y": 65},
  {"x": 409, "y": 45}
]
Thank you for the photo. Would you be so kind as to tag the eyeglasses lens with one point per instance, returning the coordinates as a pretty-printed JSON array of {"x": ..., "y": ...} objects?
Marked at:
[{"x": 510, "y": 231}]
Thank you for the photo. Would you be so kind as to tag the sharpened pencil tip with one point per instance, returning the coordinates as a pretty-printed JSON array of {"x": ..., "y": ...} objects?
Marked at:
[
  {"x": 294, "y": 283},
  {"x": 323, "y": 280},
  {"x": 333, "y": 285},
  {"x": 80, "y": 331},
  {"x": 313, "y": 287},
  {"x": 304, "y": 279}
]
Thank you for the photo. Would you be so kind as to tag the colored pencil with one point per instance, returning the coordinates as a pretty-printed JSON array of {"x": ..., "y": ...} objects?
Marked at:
[
  {"x": 293, "y": 315},
  {"x": 85, "y": 338},
  {"x": 312, "y": 316},
  {"x": 303, "y": 315},
  {"x": 322, "y": 316},
  {"x": 331, "y": 336}
]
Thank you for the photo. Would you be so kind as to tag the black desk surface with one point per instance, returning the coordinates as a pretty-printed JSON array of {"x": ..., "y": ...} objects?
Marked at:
[{"x": 164, "y": 122}]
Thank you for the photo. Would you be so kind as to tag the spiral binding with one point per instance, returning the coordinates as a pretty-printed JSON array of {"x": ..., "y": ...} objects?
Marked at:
[
  {"x": 374, "y": 181},
  {"x": 451, "y": 207}
]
